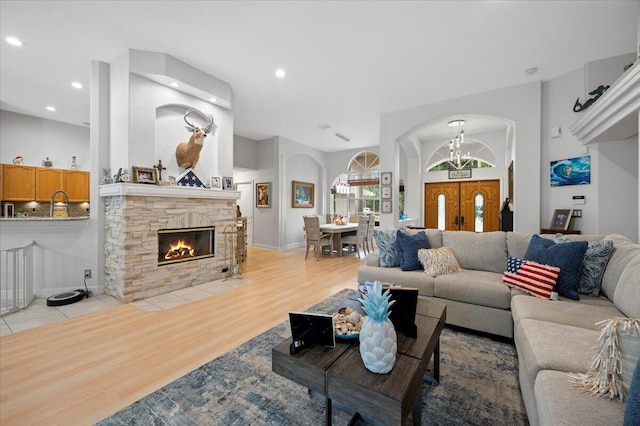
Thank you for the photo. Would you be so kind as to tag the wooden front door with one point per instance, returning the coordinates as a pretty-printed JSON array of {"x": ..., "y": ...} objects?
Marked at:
[{"x": 462, "y": 206}]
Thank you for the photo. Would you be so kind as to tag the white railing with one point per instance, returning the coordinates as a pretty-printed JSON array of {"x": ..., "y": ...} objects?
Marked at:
[{"x": 16, "y": 279}]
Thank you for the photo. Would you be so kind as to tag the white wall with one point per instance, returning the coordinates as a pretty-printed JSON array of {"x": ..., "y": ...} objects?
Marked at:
[
  {"x": 36, "y": 138},
  {"x": 614, "y": 164}
]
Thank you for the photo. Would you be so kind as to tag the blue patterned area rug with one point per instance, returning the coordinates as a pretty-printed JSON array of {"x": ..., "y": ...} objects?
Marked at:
[{"x": 479, "y": 386}]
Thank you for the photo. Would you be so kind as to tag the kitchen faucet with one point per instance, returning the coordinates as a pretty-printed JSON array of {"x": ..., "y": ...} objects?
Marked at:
[{"x": 53, "y": 196}]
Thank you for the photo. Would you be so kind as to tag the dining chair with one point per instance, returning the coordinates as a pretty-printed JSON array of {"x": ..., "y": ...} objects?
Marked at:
[
  {"x": 315, "y": 238},
  {"x": 357, "y": 241},
  {"x": 368, "y": 242}
]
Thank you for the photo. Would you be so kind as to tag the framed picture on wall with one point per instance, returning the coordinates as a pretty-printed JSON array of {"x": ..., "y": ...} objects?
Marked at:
[
  {"x": 385, "y": 178},
  {"x": 561, "y": 219},
  {"x": 385, "y": 192},
  {"x": 387, "y": 206},
  {"x": 302, "y": 194},
  {"x": 263, "y": 194}
]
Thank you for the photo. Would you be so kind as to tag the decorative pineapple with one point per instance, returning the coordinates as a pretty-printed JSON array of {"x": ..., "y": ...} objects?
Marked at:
[{"x": 377, "y": 337}]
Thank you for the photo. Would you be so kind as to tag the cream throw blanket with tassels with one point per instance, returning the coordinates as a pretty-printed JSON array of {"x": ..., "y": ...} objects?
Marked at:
[{"x": 618, "y": 351}]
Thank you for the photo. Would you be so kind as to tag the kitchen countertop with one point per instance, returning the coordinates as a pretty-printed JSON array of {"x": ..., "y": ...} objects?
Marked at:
[{"x": 42, "y": 219}]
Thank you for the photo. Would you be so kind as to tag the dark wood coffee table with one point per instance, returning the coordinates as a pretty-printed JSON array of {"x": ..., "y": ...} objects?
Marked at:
[{"x": 339, "y": 374}]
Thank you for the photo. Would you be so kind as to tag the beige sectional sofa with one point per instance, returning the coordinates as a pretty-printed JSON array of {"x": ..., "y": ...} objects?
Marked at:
[{"x": 552, "y": 338}]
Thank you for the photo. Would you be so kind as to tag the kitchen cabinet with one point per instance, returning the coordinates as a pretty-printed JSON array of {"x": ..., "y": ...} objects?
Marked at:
[
  {"x": 76, "y": 183},
  {"x": 18, "y": 182},
  {"x": 48, "y": 180}
]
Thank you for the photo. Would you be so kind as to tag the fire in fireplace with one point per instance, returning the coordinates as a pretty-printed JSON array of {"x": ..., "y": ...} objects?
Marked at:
[{"x": 184, "y": 244}]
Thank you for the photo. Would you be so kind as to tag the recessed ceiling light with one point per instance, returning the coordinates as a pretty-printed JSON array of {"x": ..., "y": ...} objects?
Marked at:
[
  {"x": 212, "y": 99},
  {"x": 174, "y": 84},
  {"x": 343, "y": 137},
  {"x": 324, "y": 126},
  {"x": 77, "y": 85},
  {"x": 531, "y": 71},
  {"x": 280, "y": 73},
  {"x": 51, "y": 108},
  {"x": 14, "y": 41}
]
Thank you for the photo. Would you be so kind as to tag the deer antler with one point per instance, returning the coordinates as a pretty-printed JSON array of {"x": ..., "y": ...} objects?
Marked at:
[
  {"x": 190, "y": 126},
  {"x": 205, "y": 129},
  {"x": 210, "y": 126}
]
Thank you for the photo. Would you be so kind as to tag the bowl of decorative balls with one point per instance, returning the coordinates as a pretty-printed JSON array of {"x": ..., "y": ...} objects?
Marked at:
[{"x": 347, "y": 323}]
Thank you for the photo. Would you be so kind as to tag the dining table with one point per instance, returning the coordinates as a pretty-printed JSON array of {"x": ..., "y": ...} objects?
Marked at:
[{"x": 337, "y": 231}]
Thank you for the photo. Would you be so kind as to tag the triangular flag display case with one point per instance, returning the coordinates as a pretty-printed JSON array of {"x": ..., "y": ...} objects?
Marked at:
[{"x": 189, "y": 178}]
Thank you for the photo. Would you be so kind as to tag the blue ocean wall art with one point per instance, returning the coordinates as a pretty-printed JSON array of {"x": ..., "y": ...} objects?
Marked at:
[{"x": 572, "y": 171}]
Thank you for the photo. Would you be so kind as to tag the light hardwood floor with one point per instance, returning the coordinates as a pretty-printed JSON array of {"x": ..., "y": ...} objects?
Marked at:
[{"x": 82, "y": 370}]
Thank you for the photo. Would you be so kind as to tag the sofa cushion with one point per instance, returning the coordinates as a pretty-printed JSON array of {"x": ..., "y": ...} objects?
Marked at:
[
  {"x": 623, "y": 252},
  {"x": 568, "y": 312},
  {"x": 408, "y": 246},
  {"x": 568, "y": 257},
  {"x": 438, "y": 261},
  {"x": 544, "y": 345},
  {"x": 531, "y": 277},
  {"x": 559, "y": 403},
  {"x": 517, "y": 244},
  {"x": 594, "y": 264},
  {"x": 486, "y": 251},
  {"x": 475, "y": 287},
  {"x": 627, "y": 295},
  {"x": 386, "y": 242}
]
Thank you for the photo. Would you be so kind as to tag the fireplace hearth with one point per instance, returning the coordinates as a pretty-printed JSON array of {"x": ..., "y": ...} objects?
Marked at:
[{"x": 185, "y": 244}]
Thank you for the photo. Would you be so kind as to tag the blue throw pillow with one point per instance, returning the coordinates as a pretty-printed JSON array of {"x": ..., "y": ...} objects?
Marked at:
[
  {"x": 566, "y": 256},
  {"x": 632, "y": 410},
  {"x": 386, "y": 242},
  {"x": 594, "y": 264},
  {"x": 408, "y": 246}
]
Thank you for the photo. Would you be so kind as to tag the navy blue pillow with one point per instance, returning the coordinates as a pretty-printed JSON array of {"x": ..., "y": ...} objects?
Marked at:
[
  {"x": 567, "y": 256},
  {"x": 408, "y": 246},
  {"x": 632, "y": 410}
]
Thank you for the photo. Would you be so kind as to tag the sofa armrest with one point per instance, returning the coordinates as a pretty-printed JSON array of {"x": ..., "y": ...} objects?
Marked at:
[{"x": 372, "y": 259}]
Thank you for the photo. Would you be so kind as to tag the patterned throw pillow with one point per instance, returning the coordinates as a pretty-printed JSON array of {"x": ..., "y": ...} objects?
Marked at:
[
  {"x": 386, "y": 242},
  {"x": 594, "y": 264},
  {"x": 566, "y": 256},
  {"x": 408, "y": 246},
  {"x": 531, "y": 277},
  {"x": 438, "y": 261},
  {"x": 617, "y": 354}
]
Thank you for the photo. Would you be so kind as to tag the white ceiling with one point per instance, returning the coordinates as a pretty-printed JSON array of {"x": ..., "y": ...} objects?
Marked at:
[{"x": 346, "y": 62}]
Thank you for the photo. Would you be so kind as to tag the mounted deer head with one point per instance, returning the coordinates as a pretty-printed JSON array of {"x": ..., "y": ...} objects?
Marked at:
[{"x": 188, "y": 153}]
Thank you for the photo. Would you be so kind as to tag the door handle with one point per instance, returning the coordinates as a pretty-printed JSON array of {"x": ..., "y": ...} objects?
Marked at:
[
  {"x": 456, "y": 221},
  {"x": 461, "y": 220}
]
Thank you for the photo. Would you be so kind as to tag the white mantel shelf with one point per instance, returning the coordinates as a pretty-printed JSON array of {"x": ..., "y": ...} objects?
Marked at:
[
  {"x": 147, "y": 190},
  {"x": 614, "y": 116}
]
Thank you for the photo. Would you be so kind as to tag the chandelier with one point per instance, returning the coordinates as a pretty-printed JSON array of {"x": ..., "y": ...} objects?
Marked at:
[{"x": 456, "y": 156}]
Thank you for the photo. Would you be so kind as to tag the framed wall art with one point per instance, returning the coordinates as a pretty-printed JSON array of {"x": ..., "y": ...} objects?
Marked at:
[
  {"x": 385, "y": 178},
  {"x": 385, "y": 192},
  {"x": 302, "y": 194},
  {"x": 227, "y": 183},
  {"x": 216, "y": 182},
  {"x": 263, "y": 194},
  {"x": 460, "y": 174},
  {"x": 387, "y": 206},
  {"x": 571, "y": 171},
  {"x": 144, "y": 175},
  {"x": 561, "y": 219}
]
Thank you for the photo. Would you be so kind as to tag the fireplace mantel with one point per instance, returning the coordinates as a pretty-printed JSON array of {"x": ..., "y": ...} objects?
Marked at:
[{"x": 146, "y": 190}]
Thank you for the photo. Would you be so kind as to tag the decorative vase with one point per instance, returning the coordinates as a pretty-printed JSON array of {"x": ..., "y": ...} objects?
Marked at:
[
  {"x": 378, "y": 344},
  {"x": 74, "y": 165}
]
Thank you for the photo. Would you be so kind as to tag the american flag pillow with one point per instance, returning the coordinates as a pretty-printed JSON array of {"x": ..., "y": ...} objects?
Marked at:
[{"x": 531, "y": 277}]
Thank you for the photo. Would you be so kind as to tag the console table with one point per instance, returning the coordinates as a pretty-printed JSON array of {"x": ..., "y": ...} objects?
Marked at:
[
  {"x": 559, "y": 231},
  {"x": 339, "y": 374}
]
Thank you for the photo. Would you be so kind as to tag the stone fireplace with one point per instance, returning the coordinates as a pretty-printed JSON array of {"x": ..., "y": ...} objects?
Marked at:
[{"x": 137, "y": 216}]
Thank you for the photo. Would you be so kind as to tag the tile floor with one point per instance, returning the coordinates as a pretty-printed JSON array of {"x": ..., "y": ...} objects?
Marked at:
[{"x": 38, "y": 313}]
